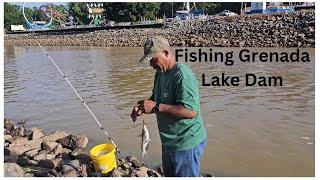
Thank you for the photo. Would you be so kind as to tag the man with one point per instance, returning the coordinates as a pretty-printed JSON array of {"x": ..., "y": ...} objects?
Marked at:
[{"x": 175, "y": 101}]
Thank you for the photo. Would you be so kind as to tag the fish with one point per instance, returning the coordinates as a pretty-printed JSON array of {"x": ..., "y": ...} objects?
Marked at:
[{"x": 145, "y": 140}]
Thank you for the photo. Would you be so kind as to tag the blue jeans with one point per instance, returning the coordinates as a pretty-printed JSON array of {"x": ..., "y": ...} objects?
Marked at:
[{"x": 184, "y": 163}]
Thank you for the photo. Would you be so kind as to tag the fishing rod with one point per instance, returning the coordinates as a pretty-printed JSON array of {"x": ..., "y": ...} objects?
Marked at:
[{"x": 83, "y": 102}]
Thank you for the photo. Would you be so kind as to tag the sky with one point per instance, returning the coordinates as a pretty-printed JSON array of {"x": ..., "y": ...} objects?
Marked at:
[{"x": 37, "y": 4}]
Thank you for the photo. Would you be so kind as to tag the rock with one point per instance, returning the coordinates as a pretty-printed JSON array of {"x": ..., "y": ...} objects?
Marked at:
[
  {"x": 136, "y": 163},
  {"x": 83, "y": 170},
  {"x": 74, "y": 164},
  {"x": 19, "y": 140},
  {"x": 95, "y": 174},
  {"x": 73, "y": 141},
  {"x": 10, "y": 159},
  {"x": 83, "y": 158},
  {"x": 28, "y": 134},
  {"x": 70, "y": 173},
  {"x": 121, "y": 161},
  {"x": 57, "y": 150},
  {"x": 37, "y": 171},
  {"x": 17, "y": 149},
  {"x": 77, "y": 151},
  {"x": 7, "y": 138},
  {"x": 66, "y": 150},
  {"x": 40, "y": 157},
  {"x": 6, "y": 151},
  {"x": 56, "y": 136},
  {"x": 125, "y": 166},
  {"x": 28, "y": 175},
  {"x": 160, "y": 169},
  {"x": 20, "y": 131},
  {"x": 50, "y": 164},
  {"x": 117, "y": 173},
  {"x": 9, "y": 125},
  {"x": 206, "y": 175},
  {"x": 43, "y": 152},
  {"x": 153, "y": 173},
  {"x": 46, "y": 145},
  {"x": 41, "y": 173},
  {"x": 36, "y": 133},
  {"x": 12, "y": 170},
  {"x": 32, "y": 153},
  {"x": 142, "y": 172},
  {"x": 24, "y": 161}
]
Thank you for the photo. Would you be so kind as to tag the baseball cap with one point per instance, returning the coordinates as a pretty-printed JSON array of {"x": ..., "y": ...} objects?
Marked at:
[{"x": 153, "y": 45}]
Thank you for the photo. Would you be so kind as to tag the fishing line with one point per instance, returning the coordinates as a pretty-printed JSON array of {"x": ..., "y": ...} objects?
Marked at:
[{"x": 83, "y": 102}]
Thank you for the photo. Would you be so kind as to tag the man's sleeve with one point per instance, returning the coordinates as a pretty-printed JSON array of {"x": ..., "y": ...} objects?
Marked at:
[
  {"x": 186, "y": 92},
  {"x": 154, "y": 84}
]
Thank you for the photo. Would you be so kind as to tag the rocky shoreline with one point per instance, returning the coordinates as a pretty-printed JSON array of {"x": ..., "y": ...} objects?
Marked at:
[
  {"x": 260, "y": 30},
  {"x": 33, "y": 153}
]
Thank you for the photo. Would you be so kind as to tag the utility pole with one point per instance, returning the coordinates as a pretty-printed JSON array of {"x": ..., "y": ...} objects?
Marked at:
[{"x": 171, "y": 9}]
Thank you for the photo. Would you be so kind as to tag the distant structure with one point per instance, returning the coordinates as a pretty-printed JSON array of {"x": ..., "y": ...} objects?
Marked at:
[
  {"x": 271, "y": 7},
  {"x": 34, "y": 25},
  {"x": 258, "y": 7},
  {"x": 304, "y": 5},
  {"x": 189, "y": 13},
  {"x": 96, "y": 13},
  {"x": 56, "y": 17}
]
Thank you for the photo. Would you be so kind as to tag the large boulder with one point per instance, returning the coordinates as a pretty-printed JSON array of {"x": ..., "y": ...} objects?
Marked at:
[
  {"x": 7, "y": 138},
  {"x": 20, "y": 131},
  {"x": 24, "y": 161},
  {"x": 36, "y": 133},
  {"x": 17, "y": 149},
  {"x": 38, "y": 171},
  {"x": 153, "y": 173},
  {"x": 12, "y": 170},
  {"x": 74, "y": 164},
  {"x": 31, "y": 153},
  {"x": 72, "y": 141},
  {"x": 50, "y": 164},
  {"x": 56, "y": 136},
  {"x": 135, "y": 162},
  {"x": 71, "y": 168},
  {"x": 40, "y": 157},
  {"x": 19, "y": 140},
  {"x": 9, "y": 125},
  {"x": 47, "y": 145},
  {"x": 57, "y": 150},
  {"x": 141, "y": 172},
  {"x": 10, "y": 159}
]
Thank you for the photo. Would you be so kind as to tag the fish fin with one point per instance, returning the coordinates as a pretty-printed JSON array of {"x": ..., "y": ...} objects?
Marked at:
[
  {"x": 143, "y": 154},
  {"x": 147, "y": 147}
]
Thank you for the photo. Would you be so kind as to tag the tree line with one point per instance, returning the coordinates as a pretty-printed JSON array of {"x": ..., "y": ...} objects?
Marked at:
[{"x": 117, "y": 11}]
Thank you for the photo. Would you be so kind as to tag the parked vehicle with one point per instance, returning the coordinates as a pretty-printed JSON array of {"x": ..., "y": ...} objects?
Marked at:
[{"x": 227, "y": 13}]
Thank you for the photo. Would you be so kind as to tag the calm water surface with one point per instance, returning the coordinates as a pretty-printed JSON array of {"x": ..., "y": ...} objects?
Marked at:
[{"x": 252, "y": 131}]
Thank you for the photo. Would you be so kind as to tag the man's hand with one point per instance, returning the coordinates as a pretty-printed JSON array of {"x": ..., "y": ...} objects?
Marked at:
[
  {"x": 146, "y": 106},
  {"x": 136, "y": 112}
]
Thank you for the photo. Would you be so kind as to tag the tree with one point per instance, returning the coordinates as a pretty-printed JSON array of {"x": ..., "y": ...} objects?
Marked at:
[
  {"x": 13, "y": 15},
  {"x": 169, "y": 9},
  {"x": 79, "y": 11},
  {"x": 131, "y": 11},
  {"x": 209, "y": 7}
]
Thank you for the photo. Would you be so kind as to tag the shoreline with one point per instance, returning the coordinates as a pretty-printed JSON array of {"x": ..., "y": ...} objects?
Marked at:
[
  {"x": 34, "y": 153},
  {"x": 259, "y": 30}
]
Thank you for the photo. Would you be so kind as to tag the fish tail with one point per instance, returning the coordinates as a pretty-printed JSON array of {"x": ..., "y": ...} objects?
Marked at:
[{"x": 143, "y": 154}]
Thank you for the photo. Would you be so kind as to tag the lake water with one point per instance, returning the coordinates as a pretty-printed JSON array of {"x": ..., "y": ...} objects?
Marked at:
[{"x": 252, "y": 131}]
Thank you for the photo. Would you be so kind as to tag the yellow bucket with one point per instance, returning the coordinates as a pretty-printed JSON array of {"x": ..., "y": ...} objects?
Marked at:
[{"x": 104, "y": 157}]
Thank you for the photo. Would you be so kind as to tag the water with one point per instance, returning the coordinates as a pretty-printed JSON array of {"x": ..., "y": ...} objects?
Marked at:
[{"x": 252, "y": 131}]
